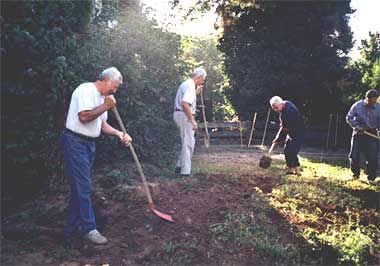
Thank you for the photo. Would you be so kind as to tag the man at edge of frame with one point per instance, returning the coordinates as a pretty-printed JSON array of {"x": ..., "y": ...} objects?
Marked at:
[{"x": 364, "y": 116}]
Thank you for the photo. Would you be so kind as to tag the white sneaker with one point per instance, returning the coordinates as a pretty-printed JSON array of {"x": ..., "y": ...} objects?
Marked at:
[{"x": 95, "y": 237}]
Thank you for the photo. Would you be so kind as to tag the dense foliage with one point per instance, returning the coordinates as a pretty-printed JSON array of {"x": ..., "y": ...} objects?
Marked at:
[
  {"x": 369, "y": 64},
  {"x": 50, "y": 47},
  {"x": 363, "y": 74},
  {"x": 297, "y": 50},
  {"x": 294, "y": 49},
  {"x": 37, "y": 75},
  {"x": 204, "y": 52}
]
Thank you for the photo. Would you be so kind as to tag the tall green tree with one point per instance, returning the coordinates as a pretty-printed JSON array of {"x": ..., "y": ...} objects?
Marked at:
[
  {"x": 369, "y": 63},
  {"x": 362, "y": 74},
  {"x": 50, "y": 47},
  {"x": 297, "y": 50},
  {"x": 36, "y": 38},
  {"x": 203, "y": 52},
  {"x": 148, "y": 57}
]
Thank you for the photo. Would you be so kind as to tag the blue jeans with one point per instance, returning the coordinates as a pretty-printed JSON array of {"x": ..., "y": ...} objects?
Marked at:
[
  {"x": 79, "y": 157},
  {"x": 370, "y": 148}
]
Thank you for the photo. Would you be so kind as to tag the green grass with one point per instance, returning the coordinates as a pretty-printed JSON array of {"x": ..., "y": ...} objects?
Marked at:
[
  {"x": 172, "y": 247},
  {"x": 255, "y": 231},
  {"x": 321, "y": 199},
  {"x": 324, "y": 204},
  {"x": 353, "y": 241},
  {"x": 175, "y": 252}
]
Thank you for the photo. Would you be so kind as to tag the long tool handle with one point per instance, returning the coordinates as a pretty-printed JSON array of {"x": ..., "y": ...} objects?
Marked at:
[
  {"x": 271, "y": 148},
  {"x": 204, "y": 114},
  {"x": 265, "y": 129},
  {"x": 138, "y": 165},
  {"x": 253, "y": 128},
  {"x": 371, "y": 135}
]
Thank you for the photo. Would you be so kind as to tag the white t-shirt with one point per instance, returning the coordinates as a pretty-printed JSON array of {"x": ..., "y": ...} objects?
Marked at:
[
  {"x": 186, "y": 92},
  {"x": 86, "y": 97}
]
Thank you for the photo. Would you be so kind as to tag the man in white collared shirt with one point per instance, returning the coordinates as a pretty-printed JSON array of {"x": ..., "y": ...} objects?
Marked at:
[
  {"x": 86, "y": 120},
  {"x": 184, "y": 110}
]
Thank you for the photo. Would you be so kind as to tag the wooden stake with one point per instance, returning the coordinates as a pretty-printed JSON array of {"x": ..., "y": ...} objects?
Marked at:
[
  {"x": 328, "y": 132},
  {"x": 241, "y": 134},
  {"x": 336, "y": 129},
  {"x": 265, "y": 129},
  {"x": 252, "y": 128}
]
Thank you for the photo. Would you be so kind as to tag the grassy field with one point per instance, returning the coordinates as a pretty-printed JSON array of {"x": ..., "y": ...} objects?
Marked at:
[{"x": 337, "y": 216}]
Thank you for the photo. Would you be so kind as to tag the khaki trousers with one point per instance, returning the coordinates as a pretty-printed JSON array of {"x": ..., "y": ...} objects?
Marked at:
[{"x": 187, "y": 140}]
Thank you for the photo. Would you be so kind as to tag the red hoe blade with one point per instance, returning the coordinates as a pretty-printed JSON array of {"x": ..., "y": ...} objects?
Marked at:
[{"x": 164, "y": 216}]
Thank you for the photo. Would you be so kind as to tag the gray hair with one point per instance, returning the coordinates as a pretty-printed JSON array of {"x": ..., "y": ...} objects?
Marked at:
[
  {"x": 199, "y": 72},
  {"x": 275, "y": 100},
  {"x": 111, "y": 73}
]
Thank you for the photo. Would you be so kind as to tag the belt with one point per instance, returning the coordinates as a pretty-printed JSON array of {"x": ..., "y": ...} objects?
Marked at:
[
  {"x": 177, "y": 110},
  {"x": 84, "y": 137}
]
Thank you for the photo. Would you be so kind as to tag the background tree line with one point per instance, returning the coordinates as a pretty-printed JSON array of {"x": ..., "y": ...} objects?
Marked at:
[
  {"x": 294, "y": 49},
  {"x": 48, "y": 48}
]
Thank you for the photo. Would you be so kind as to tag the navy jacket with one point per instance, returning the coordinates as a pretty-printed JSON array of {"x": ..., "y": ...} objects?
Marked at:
[{"x": 292, "y": 123}]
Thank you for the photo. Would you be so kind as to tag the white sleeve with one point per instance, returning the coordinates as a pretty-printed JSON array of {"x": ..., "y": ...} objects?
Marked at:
[
  {"x": 188, "y": 96},
  {"x": 85, "y": 101}
]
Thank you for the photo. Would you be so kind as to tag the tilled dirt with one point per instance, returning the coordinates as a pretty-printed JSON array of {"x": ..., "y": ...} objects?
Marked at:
[{"x": 138, "y": 237}]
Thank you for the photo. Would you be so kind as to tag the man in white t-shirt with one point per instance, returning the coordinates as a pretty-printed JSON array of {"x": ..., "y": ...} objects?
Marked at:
[
  {"x": 184, "y": 110},
  {"x": 86, "y": 120}
]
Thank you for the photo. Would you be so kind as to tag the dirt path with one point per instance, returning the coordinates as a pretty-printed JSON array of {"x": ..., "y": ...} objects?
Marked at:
[{"x": 199, "y": 206}]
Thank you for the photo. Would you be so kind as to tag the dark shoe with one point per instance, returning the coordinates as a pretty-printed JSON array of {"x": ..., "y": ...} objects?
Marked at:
[
  {"x": 355, "y": 177},
  {"x": 297, "y": 171},
  {"x": 183, "y": 176},
  {"x": 289, "y": 171},
  {"x": 372, "y": 182},
  {"x": 177, "y": 170}
]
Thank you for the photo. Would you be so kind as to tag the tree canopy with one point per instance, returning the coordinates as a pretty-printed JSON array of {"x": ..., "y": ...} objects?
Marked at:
[
  {"x": 48, "y": 49},
  {"x": 297, "y": 50}
]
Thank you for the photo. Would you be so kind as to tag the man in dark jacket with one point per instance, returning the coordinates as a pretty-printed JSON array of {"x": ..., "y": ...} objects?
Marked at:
[
  {"x": 292, "y": 131},
  {"x": 364, "y": 116}
]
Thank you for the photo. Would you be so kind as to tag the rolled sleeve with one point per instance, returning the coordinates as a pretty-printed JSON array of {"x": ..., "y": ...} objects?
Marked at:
[
  {"x": 85, "y": 103},
  {"x": 188, "y": 96}
]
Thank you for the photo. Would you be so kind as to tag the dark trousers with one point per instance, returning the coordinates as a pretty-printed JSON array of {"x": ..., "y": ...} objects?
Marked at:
[
  {"x": 291, "y": 150},
  {"x": 369, "y": 147},
  {"x": 79, "y": 157}
]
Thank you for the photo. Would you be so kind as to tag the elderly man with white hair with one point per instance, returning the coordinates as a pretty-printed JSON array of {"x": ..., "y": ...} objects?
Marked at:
[
  {"x": 86, "y": 120},
  {"x": 184, "y": 110},
  {"x": 292, "y": 131}
]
